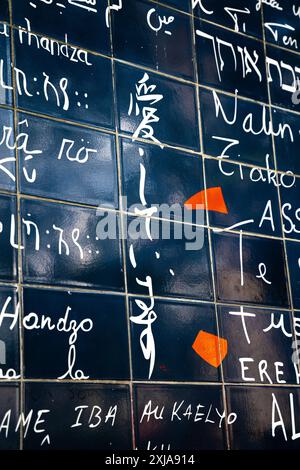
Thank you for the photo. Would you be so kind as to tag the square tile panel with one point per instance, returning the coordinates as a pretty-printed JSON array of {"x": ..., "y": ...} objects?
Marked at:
[
  {"x": 187, "y": 417},
  {"x": 66, "y": 21},
  {"x": 283, "y": 76},
  {"x": 82, "y": 326},
  {"x": 148, "y": 35},
  {"x": 61, "y": 87},
  {"x": 266, "y": 417},
  {"x": 65, "y": 238},
  {"x": 97, "y": 416},
  {"x": 69, "y": 163},
  {"x": 173, "y": 104},
  {"x": 260, "y": 345},
  {"x": 241, "y": 16},
  {"x": 230, "y": 61},
  {"x": 281, "y": 24},
  {"x": 254, "y": 200},
  {"x": 176, "y": 332},
  {"x": 172, "y": 177},
  {"x": 233, "y": 128},
  {"x": 250, "y": 269},
  {"x": 176, "y": 261}
]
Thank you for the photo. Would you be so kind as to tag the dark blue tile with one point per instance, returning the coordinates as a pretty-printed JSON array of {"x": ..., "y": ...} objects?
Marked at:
[
  {"x": 187, "y": 417},
  {"x": 177, "y": 259},
  {"x": 4, "y": 10},
  {"x": 6, "y": 96},
  {"x": 100, "y": 345},
  {"x": 71, "y": 163},
  {"x": 291, "y": 209},
  {"x": 258, "y": 351},
  {"x": 174, "y": 332},
  {"x": 254, "y": 198},
  {"x": 8, "y": 238},
  {"x": 62, "y": 246},
  {"x": 173, "y": 119},
  {"x": 66, "y": 21},
  {"x": 141, "y": 37},
  {"x": 9, "y": 406},
  {"x": 184, "y": 5},
  {"x": 239, "y": 260},
  {"x": 282, "y": 24},
  {"x": 81, "y": 411},
  {"x": 7, "y": 153},
  {"x": 230, "y": 61},
  {"x": 240, "y": 15},
  {"x": 283, "y": 73},
  {"x": 9, "y": 334},
  {"x": 60, "y": 87},
  {"x": 287, "y": 142},
  {"x": 293, "y": 254},
  {"x": 171, "y": 177},
  {"x": 235, "y": 128},
  {"x": 264, "y": 417}
]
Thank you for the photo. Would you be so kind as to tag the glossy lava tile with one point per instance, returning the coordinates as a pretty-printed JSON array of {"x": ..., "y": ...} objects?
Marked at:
[
  {"x": 171, "y": 178},
  {"x": 239, "y": 15},
  {"x": 291, "y": 209},
  {"x": 235, "y": 128},
  {"x": 293, "y": 255},
  {"x": 101, "y": 335},
  {"x": 281, "y": 24},
  {"x": 186, "y": 417},
  {"x": 8, "y": 238},
  {"x": 250, "y": 269},
  {"x": 266, "y": 417},
  {"x": 90, "y": 416},
  {"x": 156, "y": 108},
  {"x": 176, "y": 259},
  {"x": 149, "y": 35},
  {"x": 7, "y": 152},
  {"x": 9, "y": 334},
  {"x": 230, "y": 61},
  {"x": 61, "y": 246},
  {"x": 66, "y": 21},
  {"x": 9, "y": 406},
  {"x": 6, "y": 95},
  {"x": 100, "y": 342},
  {"x": 70, "y": 163},
  {"x": 68, "y": 334},
  {"x": 287, "y": 140},
  {"x": 57, "y": 86},
  {"x": 259, "y": 351},
  {"x": 175, "y": 331},
  {"x": 283, "y": 73},
  {"x": 254, "y": 199}
]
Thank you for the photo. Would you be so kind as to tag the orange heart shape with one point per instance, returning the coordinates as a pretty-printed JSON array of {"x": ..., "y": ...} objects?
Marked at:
[{"x": 211, "y": 348}]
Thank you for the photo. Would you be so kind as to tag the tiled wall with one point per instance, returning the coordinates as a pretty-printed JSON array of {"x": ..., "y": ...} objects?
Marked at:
[{"x": 70, "y": 151}]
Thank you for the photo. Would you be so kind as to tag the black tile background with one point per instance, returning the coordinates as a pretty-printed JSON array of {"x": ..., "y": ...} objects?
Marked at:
[{"x": 54, "y": 106}]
